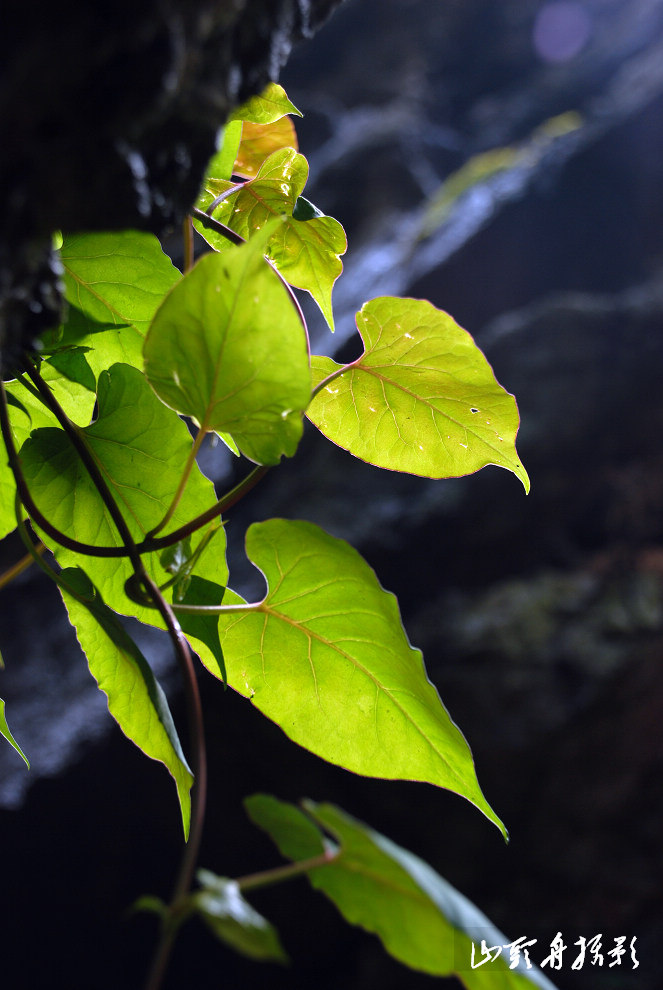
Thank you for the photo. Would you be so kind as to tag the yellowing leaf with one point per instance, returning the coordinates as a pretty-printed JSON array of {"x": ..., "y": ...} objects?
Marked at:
[
  {"x": 421, "y": 399},
  {"x": 308, "y": 252},
  {"x": 258, "y": 142}
]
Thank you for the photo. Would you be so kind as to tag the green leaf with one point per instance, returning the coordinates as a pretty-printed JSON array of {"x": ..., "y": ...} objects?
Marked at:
[
  {"x": 221, "y": 164},
  {"x": 422, "y": 398},
  {"x": 325, "y": 656},
  {"x": 232, "y": 919},
  {"x": 306, "y": 251},
  {"x": 141, "y": 447},
  {"x": 227, "y": 348},
  {"x": 4, "y": 731},
  {"x": 267, "y": 107},
  {"x": 115, "y": 279},
  {"x": 421, "y": 919},
  {"x": 73, "y": 365},
  {"x": 135, "y": 698}
]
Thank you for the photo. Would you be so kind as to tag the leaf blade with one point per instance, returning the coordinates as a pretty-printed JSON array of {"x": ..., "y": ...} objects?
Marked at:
[
  {"x": 419, "y": 917},
  {"x": 347, "y": 652},
  {"x": 6, "y": 732},
  {"x": 421, "y": 399},
  {"x": 135, "y": 698}
]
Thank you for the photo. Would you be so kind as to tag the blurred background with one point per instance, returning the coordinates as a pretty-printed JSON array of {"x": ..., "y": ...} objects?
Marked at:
[{"x": 503, "y": 161}]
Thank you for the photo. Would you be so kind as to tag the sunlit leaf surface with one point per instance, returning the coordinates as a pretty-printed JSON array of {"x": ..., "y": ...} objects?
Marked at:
[
  {"x": 135, "y": 699},
  {"x": 227, "y": 348},
  {"x": 325, "y": 656},
  {"x": 421, "y": 399}
]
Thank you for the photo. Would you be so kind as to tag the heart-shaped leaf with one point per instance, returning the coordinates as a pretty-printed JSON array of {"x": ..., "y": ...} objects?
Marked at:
[
  {"x": 325, "y": 656},
  {"x": 141, "y": 447},
  {"x": 421, "y": 399},
  {"x": 307, "y": 253},
  {"x": 135, "y": 698},
  {"x": 420, "y": 918},
  {"x": 227, "y": 347}
]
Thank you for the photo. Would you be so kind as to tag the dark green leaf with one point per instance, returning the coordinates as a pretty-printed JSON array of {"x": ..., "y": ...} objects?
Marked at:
[
  {"x": 227, "y": 348},
  {"x": 135, "y": 698},
  {"x": 202, "y": 630},
  {"x": 422, "y": 398},
  {"x": 232, "y": 919},
  {"x": 325, "y": 656},
  {"x": 4, "y": 730},
  {"x": 419, "y": 917}
]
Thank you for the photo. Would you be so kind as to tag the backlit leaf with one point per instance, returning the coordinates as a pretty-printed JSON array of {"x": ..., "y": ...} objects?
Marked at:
[
  {"x": 421, "y": 399},
  {"x": 258, "y": 142},
  {"x": 266, "y": 107},
  {"x": 141, "y": 447},
  {"x": 227, "y": 348},
  {"x": 307, "y": 253},
  {"x": 115, "y": 279},
  {"x": 234, "y": 921},
  {"x": 421, "y": 919},
  {"x": 325, "y": 656},
  {"x": 135, "y": 699},
  {"x": 5, "y": 731}
]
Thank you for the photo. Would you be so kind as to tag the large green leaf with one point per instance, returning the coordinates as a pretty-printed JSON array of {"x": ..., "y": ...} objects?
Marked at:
[
  {"x": 306, "y": 252},
  {"x": 420, "y": 918},
  {"x": 135, "y": 699},
  {"x": 233, "y": 920},
  {"x": 421, "y": 399},
  {"x": 141, "y": 447},
  {"x": 325, "y": 656},
  {"x": 113, "y": 280},
  {"x": 227, "y": 348},
  {"x": 5, "y": 731}
]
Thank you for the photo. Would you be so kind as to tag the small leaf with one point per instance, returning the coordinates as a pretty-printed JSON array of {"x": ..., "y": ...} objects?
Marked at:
[
  {"x": 267, "y": 107},
  {"x": 4, "y": 730},
  {"x": 258, "y": 142},
  {"x": 325, "y": 656},
  {"x": 227, "y": 348},
  {"x": 422, "y": 398},
  {"x": 306, "y": 253},
  {"x": 141, "y": 447},
  {"x": 135, "y": 699},
  {"x": 420, "y": 918},
  {"x": 232, "y": 919},
  {"x": 116, "y": 279}
]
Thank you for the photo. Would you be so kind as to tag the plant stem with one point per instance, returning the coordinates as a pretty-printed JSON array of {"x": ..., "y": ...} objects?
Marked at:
[
  {"x": 280, "y": 873},
  {"x": 21, "y": 565},
  {"x": 184, "y": 658},
  {"x": 187, "y": 231}
]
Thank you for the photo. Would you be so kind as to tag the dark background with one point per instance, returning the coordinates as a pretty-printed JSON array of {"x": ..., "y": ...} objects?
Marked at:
[{"x": 540, "y": 617}]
